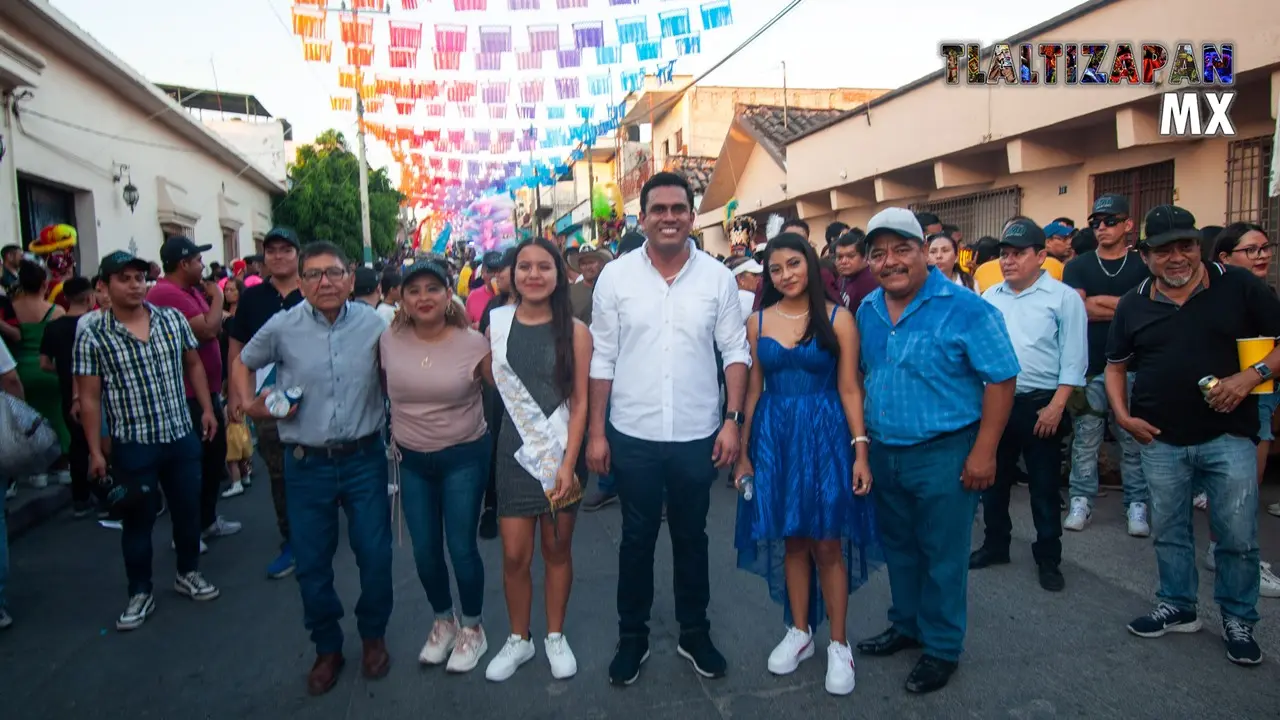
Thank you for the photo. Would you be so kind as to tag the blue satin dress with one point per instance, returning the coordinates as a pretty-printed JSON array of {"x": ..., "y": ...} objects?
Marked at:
[{"x": 800, "y": 449}]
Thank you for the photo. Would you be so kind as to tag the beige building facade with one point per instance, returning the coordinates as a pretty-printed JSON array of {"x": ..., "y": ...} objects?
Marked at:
[{"x": 974, "y": 155}]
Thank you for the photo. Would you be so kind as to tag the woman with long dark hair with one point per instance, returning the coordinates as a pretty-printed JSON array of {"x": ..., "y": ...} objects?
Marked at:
[
  {"x": 944, "y": 254},
  {"x": 809, "y": 529},
  {"x": 540, "y": 359}
]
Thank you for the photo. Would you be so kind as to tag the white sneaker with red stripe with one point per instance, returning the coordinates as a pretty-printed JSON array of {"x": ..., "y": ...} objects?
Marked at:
[
  {"x": 840, "y": 673},
  {"x": 795, "y": 648}
]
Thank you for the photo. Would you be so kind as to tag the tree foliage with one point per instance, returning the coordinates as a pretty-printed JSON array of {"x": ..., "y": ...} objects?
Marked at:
[{"x": 323, "y": 202}]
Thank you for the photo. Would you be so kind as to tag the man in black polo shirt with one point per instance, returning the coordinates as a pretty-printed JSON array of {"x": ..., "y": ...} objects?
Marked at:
[
  {"x": 257, "y": 305},
  {"x": 1173, "y": 329}
]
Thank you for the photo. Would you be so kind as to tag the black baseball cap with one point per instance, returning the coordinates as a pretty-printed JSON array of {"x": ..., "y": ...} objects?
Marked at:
[
  {"x": 1168, "y": 223},
  {"x": 499, "y": 260},
  {"x": 632, "y": 240},
  {"x": 428, "y": 267},
  {"x": 1022, "y": 234},
  {"x": 1110, "y": 204},
  {"x": 285, "y": 234},
  {"x": 179, "y": 248},
  {"x": 119, "y": 261},
  {"x": 366, "y": 281}
]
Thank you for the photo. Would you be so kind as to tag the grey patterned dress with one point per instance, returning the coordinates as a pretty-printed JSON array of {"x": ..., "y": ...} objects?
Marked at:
[{"x": 531, "y": 352}]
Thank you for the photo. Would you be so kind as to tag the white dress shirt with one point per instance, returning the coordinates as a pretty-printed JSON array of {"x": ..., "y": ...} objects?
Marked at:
[{"x": 657, "y": 343}]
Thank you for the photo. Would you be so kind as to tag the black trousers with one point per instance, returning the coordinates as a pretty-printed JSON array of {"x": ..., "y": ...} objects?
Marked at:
[
  {"x": 78, "y": 457},
  {"x": 644, "y": 472},
  {"x": 213, "y": 461},
  {"x": 493, "y": 413},
  {"x": 1043, "y": 457}
]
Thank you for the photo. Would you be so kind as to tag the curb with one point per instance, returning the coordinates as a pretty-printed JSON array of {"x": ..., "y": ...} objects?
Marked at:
[{"x": 33, "y": 506}]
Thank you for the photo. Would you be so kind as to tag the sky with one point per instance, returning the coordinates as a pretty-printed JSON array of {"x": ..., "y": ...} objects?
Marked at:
[{"x": 248, "y": 46}]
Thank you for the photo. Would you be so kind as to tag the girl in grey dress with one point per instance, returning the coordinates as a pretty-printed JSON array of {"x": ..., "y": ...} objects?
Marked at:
[{"x": 540, "y": 360}]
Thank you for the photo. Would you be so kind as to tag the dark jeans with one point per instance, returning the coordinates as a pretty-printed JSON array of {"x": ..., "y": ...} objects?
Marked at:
[
  {"x": 213, "y": 461},
  {"x": 493, "y": 414},
  {"x": 441, "y": 493},
  {"x": 82, "y": 490},
  {"x": 272, "y": 454},
  {"x": 1044, "y": 472},
  {"x": 926, "y": 518},
  {"x": 175, "y": 468},
  {"x": 643, "y": 471},
  {"x": 318, "y": 485}
]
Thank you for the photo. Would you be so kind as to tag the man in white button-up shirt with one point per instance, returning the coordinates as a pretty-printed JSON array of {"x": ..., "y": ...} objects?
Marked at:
[{"x": 659, "y": 316}]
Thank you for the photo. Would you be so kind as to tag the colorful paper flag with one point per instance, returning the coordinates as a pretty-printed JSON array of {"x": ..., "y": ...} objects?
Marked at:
[{"x": 716, "y": 14}]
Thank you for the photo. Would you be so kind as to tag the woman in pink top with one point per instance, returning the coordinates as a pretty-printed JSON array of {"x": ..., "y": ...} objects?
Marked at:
[{"x": 432, "y": 360}]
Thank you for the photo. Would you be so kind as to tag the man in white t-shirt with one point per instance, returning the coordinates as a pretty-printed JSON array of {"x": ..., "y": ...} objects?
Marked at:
[
  {"x": 390, "y": 296},
  {"x": 747, "y": 273}
]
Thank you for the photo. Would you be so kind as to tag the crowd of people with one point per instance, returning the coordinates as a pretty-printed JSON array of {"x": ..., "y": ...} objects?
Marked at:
[{"x": 866, "y": 401}]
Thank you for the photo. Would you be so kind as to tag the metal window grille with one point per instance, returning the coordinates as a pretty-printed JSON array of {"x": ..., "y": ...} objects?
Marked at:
[
  {"x": 1146, "y": 187},
  {"x": 1248, "y": 170},
  {"x": 978, "y": 214}
]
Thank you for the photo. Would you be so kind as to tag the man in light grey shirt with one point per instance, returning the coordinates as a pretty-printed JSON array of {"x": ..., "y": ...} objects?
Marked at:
[{"x": 333, "y": 453}]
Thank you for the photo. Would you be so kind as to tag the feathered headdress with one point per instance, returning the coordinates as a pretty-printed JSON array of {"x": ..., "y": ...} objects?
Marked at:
[
  {"x": 773, "y": 226},
  {"x": 742, "y": 231}
]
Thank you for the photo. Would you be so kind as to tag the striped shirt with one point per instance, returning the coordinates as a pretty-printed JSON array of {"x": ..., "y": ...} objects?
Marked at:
[
  {"x": 926, "y": 373},
  {"x": 143, "y": 395}
]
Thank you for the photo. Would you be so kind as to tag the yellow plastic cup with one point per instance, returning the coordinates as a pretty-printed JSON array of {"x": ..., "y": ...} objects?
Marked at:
[{"x": 1251, "y": 352}]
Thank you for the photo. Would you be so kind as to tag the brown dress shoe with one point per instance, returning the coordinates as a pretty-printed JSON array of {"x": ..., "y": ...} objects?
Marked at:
[
  {"x": 376, "y": 661},
  {"x": 324, "y": 674}
]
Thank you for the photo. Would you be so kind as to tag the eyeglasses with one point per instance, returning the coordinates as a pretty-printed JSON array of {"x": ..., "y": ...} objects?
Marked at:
[
  {"x": 334, "y": 274},
  {"x": 1253, "y": 253},
  {"x": 1108, "y": 220}
]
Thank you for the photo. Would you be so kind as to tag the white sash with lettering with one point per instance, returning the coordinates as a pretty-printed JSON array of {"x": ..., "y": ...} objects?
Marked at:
[{"x": 543, "y": 438}]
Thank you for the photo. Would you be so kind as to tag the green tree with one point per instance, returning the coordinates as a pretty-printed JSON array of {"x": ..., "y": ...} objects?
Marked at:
[{"x": 323, "y": 202}]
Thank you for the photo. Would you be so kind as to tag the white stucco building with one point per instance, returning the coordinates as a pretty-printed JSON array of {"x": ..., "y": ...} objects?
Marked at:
[{"x": 80, "y": 125}]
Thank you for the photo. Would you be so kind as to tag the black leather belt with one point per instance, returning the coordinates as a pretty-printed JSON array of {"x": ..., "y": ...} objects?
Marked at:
[{"x": 337, "y": 450}]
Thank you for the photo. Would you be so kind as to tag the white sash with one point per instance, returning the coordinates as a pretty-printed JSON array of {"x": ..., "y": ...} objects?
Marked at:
[{"x": 543, "y": 438}]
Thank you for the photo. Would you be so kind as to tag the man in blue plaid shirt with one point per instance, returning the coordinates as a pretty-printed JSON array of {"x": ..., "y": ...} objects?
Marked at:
[{"x": 939, "y": 371}]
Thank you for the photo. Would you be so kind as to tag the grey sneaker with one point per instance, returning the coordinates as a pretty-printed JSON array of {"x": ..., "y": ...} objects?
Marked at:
[
  {"x": 194, "y": 586},
  {"x": 140, "y": 608},
  {"x": 222, "y": 527}
]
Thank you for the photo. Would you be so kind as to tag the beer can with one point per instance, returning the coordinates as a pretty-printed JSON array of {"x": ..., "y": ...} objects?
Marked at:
[
  {"x": 1207, "y": 383},
  {"x": 281, "y": 402}
]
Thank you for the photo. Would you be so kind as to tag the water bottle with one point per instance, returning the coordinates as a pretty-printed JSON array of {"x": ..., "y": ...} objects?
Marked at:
[{"x": 747, "y": 486}]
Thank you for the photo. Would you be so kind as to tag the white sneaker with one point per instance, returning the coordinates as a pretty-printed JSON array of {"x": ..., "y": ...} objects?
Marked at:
[
  {"x": 204, "y": 547},
  {"x": 1079, "y": 516},
  {"x": 140, "y": 608},
  {"x": 443, "y": 635},
  {"x": 12, "y": 492},
  {"x": 516, "y": 652},
  {"x": 222, "y": 527},
  {"x": 1268, "y": 583},
  {"x": 471, "y": 645},
  {"x": 62, "y": 477},
  {"x": 563, "y": 664},
  {"x": 39, "y": 481},
  {"x": 1274, "y": 509},
  {"x": 237, "y": 488},
  {"x": 1138, "y": 525},
  {"x": 1210, "y": 562},
  {"x": 795, "y": 648},
  {"x": 194, "y": 586},
  {"x": 840, "y": 673},
  {"x": 1201, "y": 501}
]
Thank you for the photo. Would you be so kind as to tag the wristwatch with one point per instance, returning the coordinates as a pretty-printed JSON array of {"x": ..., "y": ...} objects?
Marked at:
[
  {"x": 1263, "y": 370},
  {"x": 736, "y": 417}
]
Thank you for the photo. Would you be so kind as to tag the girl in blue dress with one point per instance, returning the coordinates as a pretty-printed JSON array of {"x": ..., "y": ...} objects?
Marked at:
[{"x": 809, "y": 530}]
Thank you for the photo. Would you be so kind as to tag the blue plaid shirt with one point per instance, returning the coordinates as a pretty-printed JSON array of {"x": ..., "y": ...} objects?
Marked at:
[{"x": 925, "y": 376}]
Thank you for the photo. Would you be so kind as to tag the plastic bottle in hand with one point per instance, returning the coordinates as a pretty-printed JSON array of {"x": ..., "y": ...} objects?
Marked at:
[{"x": 747, "y": 486}]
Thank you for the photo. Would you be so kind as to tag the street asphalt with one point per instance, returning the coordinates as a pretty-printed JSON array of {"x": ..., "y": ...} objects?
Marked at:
[{"x": 1030, "y": 654}]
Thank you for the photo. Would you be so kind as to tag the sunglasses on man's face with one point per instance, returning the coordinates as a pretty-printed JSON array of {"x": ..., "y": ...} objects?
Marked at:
[{"x": 1108, "y": 220}]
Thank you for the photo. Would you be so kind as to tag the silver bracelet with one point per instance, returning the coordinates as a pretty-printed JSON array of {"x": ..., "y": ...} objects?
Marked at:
[{"x": 860, "y": 439}]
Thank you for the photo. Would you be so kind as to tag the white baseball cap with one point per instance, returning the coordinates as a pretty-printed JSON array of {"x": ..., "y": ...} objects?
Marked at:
[
  {"x": 750, "y": 266},
  {"x": 899, "y": 221}
]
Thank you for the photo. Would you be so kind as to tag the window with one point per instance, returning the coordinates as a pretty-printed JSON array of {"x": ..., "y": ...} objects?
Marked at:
[
  {"x": 1248, "y": 170},
  {"x": 168, "y": 230},
  {"x": 259, "y": 248},
  {"x": 978, "y": 214},
  {"x": 680, "y": 149},
  {"x": 230, "y": 245},
  {"x": 1146, "y": 187}
]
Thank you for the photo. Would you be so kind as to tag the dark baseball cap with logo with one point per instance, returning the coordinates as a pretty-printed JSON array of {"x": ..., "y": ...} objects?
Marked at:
[
  {"x": 366, "y": 281},
  {"x": 1110, "y": 204},
  {"x": 283, "y": 234},
  {"x": 119, "y": 261},
  {"x": 1167, "y": 224},
  {"x": 1022, "y": 234},
  {"x": 179, "y": 248}
]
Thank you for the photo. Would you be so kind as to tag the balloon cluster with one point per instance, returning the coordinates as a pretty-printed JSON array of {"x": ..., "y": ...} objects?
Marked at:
[{"x": 487, "y": 223}]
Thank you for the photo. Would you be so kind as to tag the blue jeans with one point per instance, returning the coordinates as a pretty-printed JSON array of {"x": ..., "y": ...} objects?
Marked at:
[
  {"x": 317, "y": 486},
  {"x": 4, "y": 557},
  {"x": 441, "y": 494},
  {"x": 1087, "y": 443},
  {"x": 1226, "y": 468},
  {"x": 175, "y": 468},
  {"x": 926, "y": 519},
  {"x": 1266, "y": 408}
]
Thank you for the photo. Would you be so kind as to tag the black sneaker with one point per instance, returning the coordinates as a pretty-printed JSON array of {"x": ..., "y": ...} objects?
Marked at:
[
  {"x": 630, "y": 655},
  {"x": 702, "y": 654},
  {"x": 489, "y": 524},
  {"x": 1051, "y": 577},
  {"x": 1165, "y": 619},
  {"x": 1242, "y": 649}
]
